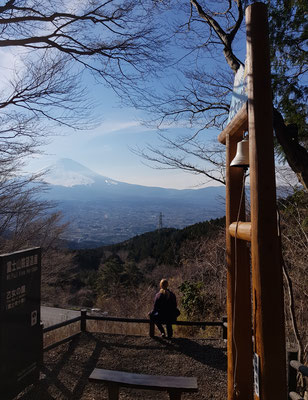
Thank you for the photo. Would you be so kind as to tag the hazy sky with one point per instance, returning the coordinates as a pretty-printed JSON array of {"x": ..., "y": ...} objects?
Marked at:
[{"x": 106, "y": 149}]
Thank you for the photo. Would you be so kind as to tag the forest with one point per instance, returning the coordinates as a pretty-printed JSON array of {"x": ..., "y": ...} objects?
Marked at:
[{"x": 122, "y": 279}]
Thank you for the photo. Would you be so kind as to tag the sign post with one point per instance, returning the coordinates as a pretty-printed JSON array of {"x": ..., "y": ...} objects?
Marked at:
[{"x": 20, "y": 331}]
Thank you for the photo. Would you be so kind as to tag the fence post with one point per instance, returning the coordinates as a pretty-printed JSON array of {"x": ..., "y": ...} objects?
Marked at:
[
  {"x": 152, "y": 328},
  {"x": 83, "y": 320},
  {"x": 41, "y": 344},
  {"x": 224, "y": 328},
  {"x": 292, "y": 373}
]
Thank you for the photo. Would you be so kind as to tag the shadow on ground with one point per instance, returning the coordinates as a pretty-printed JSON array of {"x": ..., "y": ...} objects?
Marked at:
[
  {"x": 66, "y": 368},
  {"x": 205, "y": 353}
]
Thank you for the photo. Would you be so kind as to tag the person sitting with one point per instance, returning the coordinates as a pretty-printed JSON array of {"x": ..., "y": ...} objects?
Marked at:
[{"x": 165, "y": 309}]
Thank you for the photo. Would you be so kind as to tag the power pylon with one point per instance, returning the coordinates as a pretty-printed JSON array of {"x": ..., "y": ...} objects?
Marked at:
[{"x": 160, "y": 221}]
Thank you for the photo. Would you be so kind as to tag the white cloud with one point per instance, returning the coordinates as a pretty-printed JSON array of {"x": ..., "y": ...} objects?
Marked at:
[
  {"x": 112, "y": 127},
  {"x": 116, "y": 126}
]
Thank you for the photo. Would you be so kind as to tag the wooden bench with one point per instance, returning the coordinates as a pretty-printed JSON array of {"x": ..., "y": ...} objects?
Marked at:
[{"x": 174, "y": 385}]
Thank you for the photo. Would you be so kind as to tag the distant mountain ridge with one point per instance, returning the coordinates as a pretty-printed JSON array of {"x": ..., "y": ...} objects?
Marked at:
[
  {"x": 79, "y": 180},
  {"x": 105, "y": 211}
]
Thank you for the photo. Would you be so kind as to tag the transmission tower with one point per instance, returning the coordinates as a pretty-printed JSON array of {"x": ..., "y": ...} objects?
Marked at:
[{"x": 160, "y": 221}]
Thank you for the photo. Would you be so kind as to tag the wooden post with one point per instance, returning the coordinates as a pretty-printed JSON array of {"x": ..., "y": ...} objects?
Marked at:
[
  {"x": 83, "y": 320},
  {"x": 175, "y": 395},
  {"x": 268, "y": 305},
  {"x": 292, "y": 373},
  {"x": 113, "y": 391},
  {"x": 152, "y": 329},
  {"x": 224, "y": 328},
  {"x": 240, "y": 377},
  {"x": 41, "y": 344}
]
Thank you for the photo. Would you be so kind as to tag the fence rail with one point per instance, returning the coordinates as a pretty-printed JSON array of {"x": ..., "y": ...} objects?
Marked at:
[
  {"x": 61, "y": 324},
  {"x": 84, "y": 317},
  {"x": 147, "y": 321}
]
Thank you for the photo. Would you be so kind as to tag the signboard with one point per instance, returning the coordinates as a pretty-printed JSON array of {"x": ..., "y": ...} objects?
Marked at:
[
  {"x": 20, "y": 330},
  {"x": 239, "y": 94}
]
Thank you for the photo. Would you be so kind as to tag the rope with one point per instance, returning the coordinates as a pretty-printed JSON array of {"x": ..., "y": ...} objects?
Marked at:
[{"x": 235, "y": 283}]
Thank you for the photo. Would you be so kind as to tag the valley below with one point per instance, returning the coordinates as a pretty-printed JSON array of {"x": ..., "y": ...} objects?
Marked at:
[
  {"x": 95, "y": 223},
  {"x": 102, "y": 211}
]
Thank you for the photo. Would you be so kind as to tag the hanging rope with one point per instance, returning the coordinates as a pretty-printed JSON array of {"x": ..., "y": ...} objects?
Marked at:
[{"x": 235, "y": 282}]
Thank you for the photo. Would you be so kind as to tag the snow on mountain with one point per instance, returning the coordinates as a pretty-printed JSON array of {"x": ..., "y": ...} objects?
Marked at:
[
  {"x": 70, "y": 180},
  {"x": 69, "y": 173}
]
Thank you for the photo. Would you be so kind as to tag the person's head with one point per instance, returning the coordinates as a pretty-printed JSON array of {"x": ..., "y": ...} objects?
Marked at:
[{"x": 163, "y": 284}]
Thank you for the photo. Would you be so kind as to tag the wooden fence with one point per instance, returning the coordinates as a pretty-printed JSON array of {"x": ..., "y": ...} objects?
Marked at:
[
  {"x": 84, "y": 317},
  {"x": 80, "y": 322}
]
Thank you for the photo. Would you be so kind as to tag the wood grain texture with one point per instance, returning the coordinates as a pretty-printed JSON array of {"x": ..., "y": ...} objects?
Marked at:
[
  {"x": 151, "y": 382},
  {"x": 268, "y": 304},
  {"x": 236, "y": 127},
  {"x": 239, "y": 339},
  {"x": 242, "y": 230}
]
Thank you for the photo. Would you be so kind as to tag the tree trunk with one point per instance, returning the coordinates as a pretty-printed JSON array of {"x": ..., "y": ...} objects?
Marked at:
[{"x": 296, "y": 154}]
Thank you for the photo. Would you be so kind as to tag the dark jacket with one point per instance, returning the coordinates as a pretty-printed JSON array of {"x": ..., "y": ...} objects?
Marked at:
[{"x": 165, "y": 307}]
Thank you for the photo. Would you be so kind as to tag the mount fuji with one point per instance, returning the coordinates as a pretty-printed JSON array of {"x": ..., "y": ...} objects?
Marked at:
[
  {"x": 102, "y": 210},
  {"x": 69, "y": 173}
]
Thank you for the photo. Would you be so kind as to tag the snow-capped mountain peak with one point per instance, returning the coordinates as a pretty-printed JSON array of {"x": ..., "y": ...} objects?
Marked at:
[{"x": 68, "y": 173}]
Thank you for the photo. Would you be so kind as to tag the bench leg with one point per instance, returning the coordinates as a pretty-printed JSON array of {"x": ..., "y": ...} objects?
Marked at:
[
  {"x": 113, "y": 392},
  {"x": 175, "y": 395}
]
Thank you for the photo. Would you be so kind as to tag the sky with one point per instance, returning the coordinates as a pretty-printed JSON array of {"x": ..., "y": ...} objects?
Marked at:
[{"x": 106, "y": 149}]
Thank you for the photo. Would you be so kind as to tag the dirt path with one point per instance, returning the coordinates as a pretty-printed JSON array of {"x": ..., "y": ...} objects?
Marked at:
[{"x": 66, "y": 368}]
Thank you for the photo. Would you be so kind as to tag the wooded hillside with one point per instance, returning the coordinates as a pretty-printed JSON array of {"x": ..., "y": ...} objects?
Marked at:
[{"x": 122, "y": 279}]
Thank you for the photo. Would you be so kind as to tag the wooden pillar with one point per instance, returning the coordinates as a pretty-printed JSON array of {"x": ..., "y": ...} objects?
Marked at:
[
  {"x": 175, "y": 395},
  {"x": 268, "y": 305},
  {"x": 152, "y": 329},
  {"x": 83, "y": 320},
  {"x": 225, "y": 328},
  {"x": 240, "y": 381},
  {"x": 292, "y": 372},
  {"x": 113, "y": 391},
  {"x": 41, "y": 361}
]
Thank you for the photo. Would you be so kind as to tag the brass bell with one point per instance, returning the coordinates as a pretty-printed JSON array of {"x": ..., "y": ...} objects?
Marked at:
[{"x": 241, "y": 158}]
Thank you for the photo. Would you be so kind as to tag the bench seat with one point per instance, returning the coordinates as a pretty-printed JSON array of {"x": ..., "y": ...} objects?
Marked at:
[{"x": 174, "y": 385}]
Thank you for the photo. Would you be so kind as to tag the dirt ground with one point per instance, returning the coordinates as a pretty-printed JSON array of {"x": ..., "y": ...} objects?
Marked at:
[{"x": 66, "y": 368}]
